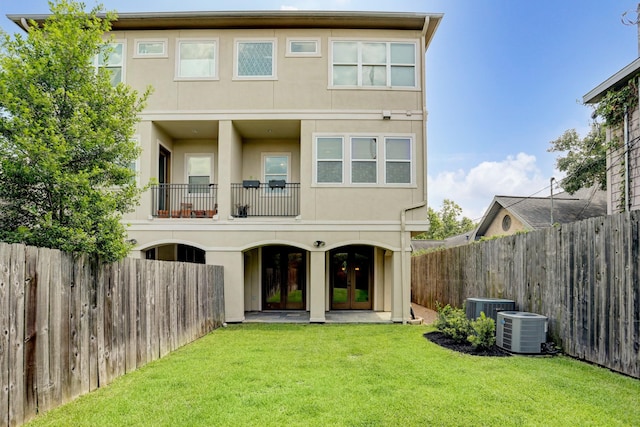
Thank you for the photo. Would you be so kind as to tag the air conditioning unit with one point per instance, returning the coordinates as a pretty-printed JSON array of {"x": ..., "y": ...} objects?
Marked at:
[
  {"x": 521, "y": 332},
  {"x": 490, "y": 307}
]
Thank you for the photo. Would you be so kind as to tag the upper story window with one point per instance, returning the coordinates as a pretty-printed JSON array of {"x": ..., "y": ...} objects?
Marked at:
[
  {"x": 197, "y": 59},
  {"x": 111, "y": 58},
  {"x": 397, "y": 156},
  {"x": 199, "y": 172},
  {"x": 373, "y": 64},
  {"x": 255, "y": 59},
  {"x": 303, "y": 47},
  {"x": 276, "y": 171},
  {"x": 366, "y": 160},
  {"x": 151, "y": 48},
  {"x": 329, "y": 160}
]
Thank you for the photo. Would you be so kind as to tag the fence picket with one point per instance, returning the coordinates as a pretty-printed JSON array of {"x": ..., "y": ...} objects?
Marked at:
[
  {"x": 584, "y": 276},
  {"x": 69, "y": 324}
]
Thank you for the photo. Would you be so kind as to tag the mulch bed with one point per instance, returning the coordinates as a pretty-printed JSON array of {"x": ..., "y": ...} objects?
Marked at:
[{"x": 446, "y": 342}]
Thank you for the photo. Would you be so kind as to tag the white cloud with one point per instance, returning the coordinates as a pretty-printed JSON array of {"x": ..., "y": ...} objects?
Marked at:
[
  {"x": 474, "y": 190},
  {"x": 285, "y": 7}
]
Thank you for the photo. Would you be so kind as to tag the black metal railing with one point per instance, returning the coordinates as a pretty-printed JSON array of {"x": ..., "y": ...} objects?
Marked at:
[
  {"x": 184, "y": 200},
  {"x": 274, "y": 198}
]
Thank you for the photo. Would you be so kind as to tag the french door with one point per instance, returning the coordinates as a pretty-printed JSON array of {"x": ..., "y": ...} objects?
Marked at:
[
  {"x": 283, "y": 278},
  {"x": 351, "y": 278}
]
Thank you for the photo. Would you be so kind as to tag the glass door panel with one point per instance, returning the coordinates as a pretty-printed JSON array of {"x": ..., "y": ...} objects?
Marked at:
[
  {"x": 351, "y": 278},
  {"x": 283, "y": 278}
]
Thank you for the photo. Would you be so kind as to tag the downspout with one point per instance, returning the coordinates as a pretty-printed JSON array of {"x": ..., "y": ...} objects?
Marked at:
[{"x": 403, "y": 214}]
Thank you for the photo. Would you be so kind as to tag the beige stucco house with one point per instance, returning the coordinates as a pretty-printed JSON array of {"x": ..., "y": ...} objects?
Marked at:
[{"x": 287, "y": 146}]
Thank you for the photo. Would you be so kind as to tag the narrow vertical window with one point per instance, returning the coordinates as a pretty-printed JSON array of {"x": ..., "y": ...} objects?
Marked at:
[
  {"x": 199, "y": 168},
  {"x": 364, "y": 165},
  {"x": 398, "y": 160},
  {"x": 111, "y": 58},
  {"x": 329, "y": 158}
]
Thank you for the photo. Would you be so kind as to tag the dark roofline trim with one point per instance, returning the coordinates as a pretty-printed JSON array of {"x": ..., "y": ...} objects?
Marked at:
[
  {"x": 265, "y": 19},
  {"x": 614, "y": 82}
]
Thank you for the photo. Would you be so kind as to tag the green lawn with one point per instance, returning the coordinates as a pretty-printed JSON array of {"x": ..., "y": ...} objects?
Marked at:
[{"x": 352, "y": 375}]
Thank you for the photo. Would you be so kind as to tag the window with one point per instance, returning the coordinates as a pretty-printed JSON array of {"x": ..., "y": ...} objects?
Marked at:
[
  {"x": 199, "y": 168},
  {"x": 398, "y": 160},
  {"x": 373, "y": 64},
  {"x": 111, "y": 58},
  {"x": 255, "y": 59},
  {"x": 151, "y": 49},
  {"x": 363, "y": 160},
  {"x": 197, "y": 59},
  {"x": 303, "y": 47},
  {"x": 371, "y": 160},
  {"x": 276, "y": 167},
  {"x": 329, "y": 157},
  {"x": 276, "y": 171}
]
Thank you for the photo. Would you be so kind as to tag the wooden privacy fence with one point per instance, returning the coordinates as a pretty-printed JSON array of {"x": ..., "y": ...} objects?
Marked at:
[
  {"x": 583, "y": 276},
  {"x": 69, "y": 325}
]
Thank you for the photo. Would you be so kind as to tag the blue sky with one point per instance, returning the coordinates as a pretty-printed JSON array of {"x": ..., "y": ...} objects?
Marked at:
[{"x": 504, "y": 78}]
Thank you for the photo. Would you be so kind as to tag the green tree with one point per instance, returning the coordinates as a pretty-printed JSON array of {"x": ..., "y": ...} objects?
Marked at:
[
  {"x": 66, "y": 133},
  {"x": 446, "y": 222},
  {"x": 585, "y": 161}
]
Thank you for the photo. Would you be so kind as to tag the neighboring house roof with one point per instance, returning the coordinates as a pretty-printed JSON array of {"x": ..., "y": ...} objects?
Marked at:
[
  {"x": 427, "y": 23},
  {"x": 614, "y": 82},
  {"x": 535, "y": 212}
]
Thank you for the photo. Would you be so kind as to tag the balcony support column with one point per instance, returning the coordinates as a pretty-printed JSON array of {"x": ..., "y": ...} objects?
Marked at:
[{"x": 317, "y": 282}]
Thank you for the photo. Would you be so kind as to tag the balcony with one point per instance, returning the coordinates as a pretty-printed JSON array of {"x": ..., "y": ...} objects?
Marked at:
[
  {"x": 276, "y": 198},
  {"x": 248, "y": 199},
  {"x": 184, "y": 200}
]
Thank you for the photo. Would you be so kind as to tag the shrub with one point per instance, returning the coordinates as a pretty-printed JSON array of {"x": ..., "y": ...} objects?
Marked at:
[
  {"x": 483, "y": 336},
  {"x": 453, "y": 323}
]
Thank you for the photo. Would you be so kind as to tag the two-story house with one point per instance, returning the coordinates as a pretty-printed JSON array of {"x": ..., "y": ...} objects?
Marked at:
[{"x": 287, "y": 146}]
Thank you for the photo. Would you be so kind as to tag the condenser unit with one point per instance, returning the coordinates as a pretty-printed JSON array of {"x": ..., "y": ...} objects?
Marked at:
[
  {"x": 490, "y": 307},
  {"x": 521, "y": 332}
]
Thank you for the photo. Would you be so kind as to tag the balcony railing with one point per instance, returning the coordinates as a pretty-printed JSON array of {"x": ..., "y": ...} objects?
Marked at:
[
  {"x": 184, "y": 200},
  {"x": 275, "y": 198}
]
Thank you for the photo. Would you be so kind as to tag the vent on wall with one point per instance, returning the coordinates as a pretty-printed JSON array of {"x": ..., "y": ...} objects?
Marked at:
[
  {"x": 521, "y": 332},
  {"x": 490, "y": 307}
]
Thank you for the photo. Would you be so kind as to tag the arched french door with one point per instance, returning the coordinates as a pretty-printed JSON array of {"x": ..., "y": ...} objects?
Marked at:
[
  {"x": 284, "y": 285},
  {"x": 352, "y": 278}
]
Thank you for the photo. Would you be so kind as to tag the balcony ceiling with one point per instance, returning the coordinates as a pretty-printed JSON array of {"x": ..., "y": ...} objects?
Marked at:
[{"x": 248, "y": 129}]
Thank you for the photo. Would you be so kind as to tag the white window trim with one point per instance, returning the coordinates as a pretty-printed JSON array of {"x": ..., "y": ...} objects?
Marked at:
[
  {"x": 187, "y": 156},
  {"x": 359, "y": 86},
  {"x": 278, "y": 154},
  {"x": 274, "y": 72},
  {"x": 123, "y": 42},
  {"x": 411, "y": 161},
  {"x": 164, "y": 54},
  {"x": 316, "y": 54},
  {"x": 264, "y": 155},
  {"x": 375, "y": 160},
  {"x": 381, "y": 160},
  {"x": 216, "y": 60}
]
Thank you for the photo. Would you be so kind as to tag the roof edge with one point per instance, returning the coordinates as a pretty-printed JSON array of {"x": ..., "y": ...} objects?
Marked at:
[{"x": 614, "y": 82}]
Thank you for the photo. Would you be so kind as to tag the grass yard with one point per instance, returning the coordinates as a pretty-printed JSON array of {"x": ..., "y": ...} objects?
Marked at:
[{"x": 351, "y": 375}]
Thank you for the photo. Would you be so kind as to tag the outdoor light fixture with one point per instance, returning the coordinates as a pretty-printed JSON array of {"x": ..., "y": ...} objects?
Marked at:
[{"x": 318, "y": 243}]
